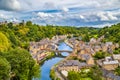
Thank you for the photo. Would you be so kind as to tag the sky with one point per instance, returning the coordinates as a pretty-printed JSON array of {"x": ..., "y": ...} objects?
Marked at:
[{"x": 96, "y": 13}]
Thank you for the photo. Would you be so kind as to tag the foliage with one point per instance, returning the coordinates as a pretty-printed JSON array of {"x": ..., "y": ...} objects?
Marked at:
[
  {"x": 72, "y": 75},
  {"x": 111, "y": 33},
  {"x": 100, "y": 55},
  {"x": 116, "y": 51},
  {"x": 94, "y": 74},
  {"x": 4, "y": 42},
  {"x": 4, "y": 69},
  {"x": 52, "y": 74},
  {"x": 22, "y": 64},
  {"x": 117, "y": 71}
]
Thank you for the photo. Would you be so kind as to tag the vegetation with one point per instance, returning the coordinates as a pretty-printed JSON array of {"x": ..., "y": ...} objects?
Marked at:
[
  {"x": 116, "y": 51},
  {"x": 52, "y": 74},
  {"x": 15, "y": 60},
  {"x": 21, "y": 63},
  {"x": 117, "y": 71},
  {"x": 4, "y": 69},
  {"x": 50, "y": 55},
  {"x": 101, "y": 55},
  {"x": 4, "y": 42},
  {"x": 111, "y": 33},
  {"x": 91, "y": 74}
]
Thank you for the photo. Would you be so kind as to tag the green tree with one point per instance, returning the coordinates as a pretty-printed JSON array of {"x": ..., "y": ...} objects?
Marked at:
[
  {"x": 22, "y": 64},
  {"x": 117, "y": 71},
  {"x": 72, "y": 75},
  {"x": 4, "y": 42},
  {"x": 116, "y": 51},
  {"x": 100, "y": 55},
  {"x": 4, "y": 69},
  {"x": 29, "y": 23},
  {"x": 10, "y": 25},
  {"x": 95, "y": 73}
]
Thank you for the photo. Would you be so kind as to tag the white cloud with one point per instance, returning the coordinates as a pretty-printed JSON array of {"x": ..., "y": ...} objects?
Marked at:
[
  {"x": 82, "y": 17},
  {"x": 65, "y": 9},
  {"x": 2, "y": 16},
  {"x": 106, "y": 16},
  {"x": 76, "y": 12},
  {"x": 44, "y": 15},
  {"x": 92, "y": 4},
  {"x": 49, "y": 5},
  {"x": 10, "y": 5},
  {"x": 111, "y": 16},
  {"x": 14, "y": 20},
  {"x": 102, "y": 16}
]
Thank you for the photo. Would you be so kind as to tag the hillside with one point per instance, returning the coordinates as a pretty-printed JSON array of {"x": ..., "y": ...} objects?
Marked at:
[{"x": 111, "y": 33}]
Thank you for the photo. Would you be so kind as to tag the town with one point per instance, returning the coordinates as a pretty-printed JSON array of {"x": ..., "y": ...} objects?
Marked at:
[{"x": 82, "y": 56}]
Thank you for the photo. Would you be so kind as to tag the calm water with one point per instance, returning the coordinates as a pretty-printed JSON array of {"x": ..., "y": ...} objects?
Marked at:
[
  {"x": 45, "y": 68},
  {"x": 63, "y": 46}
]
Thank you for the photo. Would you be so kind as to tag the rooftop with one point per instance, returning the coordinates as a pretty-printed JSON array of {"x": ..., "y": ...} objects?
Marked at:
[{"x": 73, "y": 63}]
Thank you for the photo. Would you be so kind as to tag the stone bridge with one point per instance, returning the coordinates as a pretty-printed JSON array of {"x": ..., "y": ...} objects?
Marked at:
[{"x": 59, "y": 51}]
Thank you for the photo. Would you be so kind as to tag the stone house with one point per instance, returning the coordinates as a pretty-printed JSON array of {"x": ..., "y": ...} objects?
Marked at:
[
  {"x": 97, "y": 48},
  {"x": 87, "y": 57},
  {"x": 110, "y": 64},
  {"x": 42, "y": 45},
  {"x": 92, "y": 52},
  {"x": 117, "y": 45},
  {"x": 116, "y": 57},
  {"x": 108, "y": 43},
  {"x": 104, "y": 47},
  {"x": 83, "y": 51},
  {"x": 112, "y": 47},
  {"x": 90, "y": 61},
  {"x": 41, "y": 55},
  {"x": 71, "y": 65},
  {"x": 93, "y": 41},
  {"x": 111, "y": 76},
  {"x": 88, "y": 49}
]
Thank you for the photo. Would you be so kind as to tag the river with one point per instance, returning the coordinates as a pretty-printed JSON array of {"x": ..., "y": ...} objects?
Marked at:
[{"x": 45, "y": 68}]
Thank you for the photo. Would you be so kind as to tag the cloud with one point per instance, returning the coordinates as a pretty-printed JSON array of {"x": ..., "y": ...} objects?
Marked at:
[
  {"x": 63, "y": 12},
  {"x": 49, "y": 5},
  {"x": 106, "y": 16},
  {"x": 10, "y": 5},
  {"x": 2, "y": 16},
  {"x": 14, "y": 20},
  {"x": 65, "y": 9},
  {"x": 43, "y": 15},
  {"x": 82, "y": 17}
]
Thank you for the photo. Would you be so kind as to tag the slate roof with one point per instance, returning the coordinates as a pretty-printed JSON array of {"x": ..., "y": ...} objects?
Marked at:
[{"x": 73, "y": 63}]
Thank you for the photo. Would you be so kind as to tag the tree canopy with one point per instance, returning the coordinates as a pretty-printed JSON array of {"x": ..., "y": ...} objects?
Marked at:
[
  {"x": 22, "y": 64},
  {"x": 4, "y": 42},
  {"x": 4, "y": 69}
]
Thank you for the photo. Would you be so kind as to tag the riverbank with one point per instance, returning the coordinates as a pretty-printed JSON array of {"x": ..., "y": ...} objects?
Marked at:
[
  {"x": 46, "y": 67},
  {"x": 51, "y": 55},
  {"x": 53, "y": 75},
  {"x": 68, "y": 43}
]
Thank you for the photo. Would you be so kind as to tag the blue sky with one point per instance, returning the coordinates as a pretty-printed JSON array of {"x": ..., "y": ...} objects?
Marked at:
[{"x": 97, "y": 13}]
